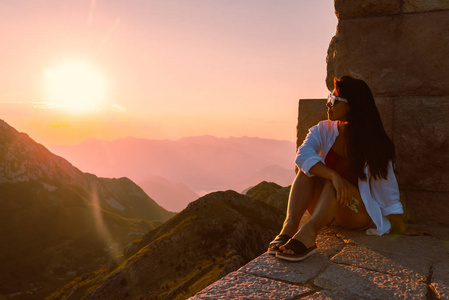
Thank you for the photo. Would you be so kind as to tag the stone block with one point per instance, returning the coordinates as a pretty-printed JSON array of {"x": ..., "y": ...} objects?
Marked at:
[
  {"x": 271, "y": 267},
  {"x": 329, "y": 245},
  {"x": 413, "y": 6},
  {"x": 310, "y": 112},
  {"x": 238, "y": 285},
  {"x": 407, "y": 267},
  {"x": 395, "y": 55},
  {"x": 346, "y": 282},
  {"x": 440, "y": 280},
  {"x": 419, "y": 247},
  {"x": 421, "y": 136},
  {"x": 424, "y": 206},
  {"x": 366, "y": 8}
]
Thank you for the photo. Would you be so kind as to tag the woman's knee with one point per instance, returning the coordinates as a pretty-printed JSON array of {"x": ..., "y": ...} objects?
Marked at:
[
  {"x": 328, "y": 187},
  {"x": 304, "y": 180},
  {"x": 328, "y": 184},
  {"x": 306, "y": 177}
]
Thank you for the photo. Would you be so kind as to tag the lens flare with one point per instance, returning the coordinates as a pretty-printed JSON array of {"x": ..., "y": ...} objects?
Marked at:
[{"x": 103, "y": 231}]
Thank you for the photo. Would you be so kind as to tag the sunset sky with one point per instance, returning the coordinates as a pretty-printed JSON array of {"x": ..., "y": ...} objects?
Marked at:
[{"x": 79, "y": 69}]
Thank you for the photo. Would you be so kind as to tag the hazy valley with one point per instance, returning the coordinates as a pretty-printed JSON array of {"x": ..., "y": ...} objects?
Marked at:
[{"x": 202, "y": 164}]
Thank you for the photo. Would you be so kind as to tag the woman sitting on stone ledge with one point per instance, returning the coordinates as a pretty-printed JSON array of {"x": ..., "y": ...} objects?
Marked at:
[{"x": 346, "y": 175}]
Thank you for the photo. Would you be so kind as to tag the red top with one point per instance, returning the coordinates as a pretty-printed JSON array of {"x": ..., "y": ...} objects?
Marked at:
[{"x": 340, "y": 165}]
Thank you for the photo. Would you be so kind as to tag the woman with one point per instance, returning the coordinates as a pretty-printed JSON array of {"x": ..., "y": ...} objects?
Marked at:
[{"x": 346, "y": 175}]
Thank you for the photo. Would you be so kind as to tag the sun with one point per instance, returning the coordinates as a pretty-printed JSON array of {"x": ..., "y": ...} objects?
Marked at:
[{"x": 75, "y": 85}]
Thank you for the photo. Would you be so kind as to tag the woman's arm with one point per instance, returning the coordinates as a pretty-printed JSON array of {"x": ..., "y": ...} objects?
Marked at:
[
  {"x": 386, "y": 193},
  {"x": 344, "y": 189},
  {"x": 312, "y": 164},
  {"x": 309, "y": 152},
  {"x": 398, "y": 226}
]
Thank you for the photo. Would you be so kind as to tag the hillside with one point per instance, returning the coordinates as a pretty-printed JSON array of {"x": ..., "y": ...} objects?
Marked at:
[
  {"x": 202, "y": 163},
  {"x": 213, "y": 236},
  {"x": 57, "y": 222}
]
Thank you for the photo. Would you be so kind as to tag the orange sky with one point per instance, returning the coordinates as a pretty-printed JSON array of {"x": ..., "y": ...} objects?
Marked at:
[{"x": 170, "y": 68}]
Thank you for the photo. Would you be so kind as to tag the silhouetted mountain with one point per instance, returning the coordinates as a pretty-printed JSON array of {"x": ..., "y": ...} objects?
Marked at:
[
  {"x": 203, "y": 163},
  {"x": 213, "y": 236},
  {"x": 57, "y": 222},
  {"x": 174, "y": 196}
]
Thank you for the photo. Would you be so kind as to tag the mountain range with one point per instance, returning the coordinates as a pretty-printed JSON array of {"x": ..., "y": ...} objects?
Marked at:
[
  {"x": 57, "y": 222},
  {"x": 203, "y": 164}
]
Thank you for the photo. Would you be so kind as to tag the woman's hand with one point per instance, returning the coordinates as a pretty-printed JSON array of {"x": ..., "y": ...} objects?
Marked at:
[
  {"x": 354, "y": 192},
  {"x": 398, "y": 226},
  {"x": 343, "y": 189},
  {"x": 420, "y": 232}
]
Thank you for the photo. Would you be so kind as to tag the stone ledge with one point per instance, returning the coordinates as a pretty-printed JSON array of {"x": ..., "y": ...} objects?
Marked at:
[
  {"x": 349, "y": 265},
  {"x": 346, "y": 9}
]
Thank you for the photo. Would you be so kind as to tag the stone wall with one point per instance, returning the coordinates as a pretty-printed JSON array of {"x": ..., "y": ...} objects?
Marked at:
[
  {"x": 401, "y": 48},
  {"x": 310, "y": 112}
]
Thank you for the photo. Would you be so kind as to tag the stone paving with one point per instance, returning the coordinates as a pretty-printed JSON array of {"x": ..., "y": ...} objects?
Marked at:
[{"x": 348, "y": 265}]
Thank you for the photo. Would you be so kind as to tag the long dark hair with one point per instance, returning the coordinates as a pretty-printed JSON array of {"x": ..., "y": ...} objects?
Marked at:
[{"x": 367, "y": 141}]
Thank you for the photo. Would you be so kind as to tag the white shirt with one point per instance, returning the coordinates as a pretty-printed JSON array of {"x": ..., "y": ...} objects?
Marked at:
[{"x": 380, "y": 196}]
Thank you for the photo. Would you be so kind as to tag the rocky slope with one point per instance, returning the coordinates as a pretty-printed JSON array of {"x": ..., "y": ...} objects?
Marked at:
[
  {"x": 270, "y": 193},
  {"x": 213, "y": 236},
  {"x": 57, "y": 222}
]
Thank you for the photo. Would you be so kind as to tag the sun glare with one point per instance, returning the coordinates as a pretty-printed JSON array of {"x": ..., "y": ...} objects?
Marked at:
[{"x": 75, "y": 86}]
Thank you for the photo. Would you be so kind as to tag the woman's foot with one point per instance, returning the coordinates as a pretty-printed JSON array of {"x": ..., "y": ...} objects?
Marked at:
[
  {"x": 305, "y": 235},
  {"x": 277, "y": 242},
  {"x": 295, "y": 250}
]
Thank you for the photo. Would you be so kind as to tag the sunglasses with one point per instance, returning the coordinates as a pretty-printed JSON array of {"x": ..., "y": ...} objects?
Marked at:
[{"x": 332, "y": 98}]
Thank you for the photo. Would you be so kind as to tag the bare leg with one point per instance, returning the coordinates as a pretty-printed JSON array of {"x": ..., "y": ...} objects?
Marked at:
[
  {"x": 324, "y": 212},
  {"x": 300, "y": 197}
]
